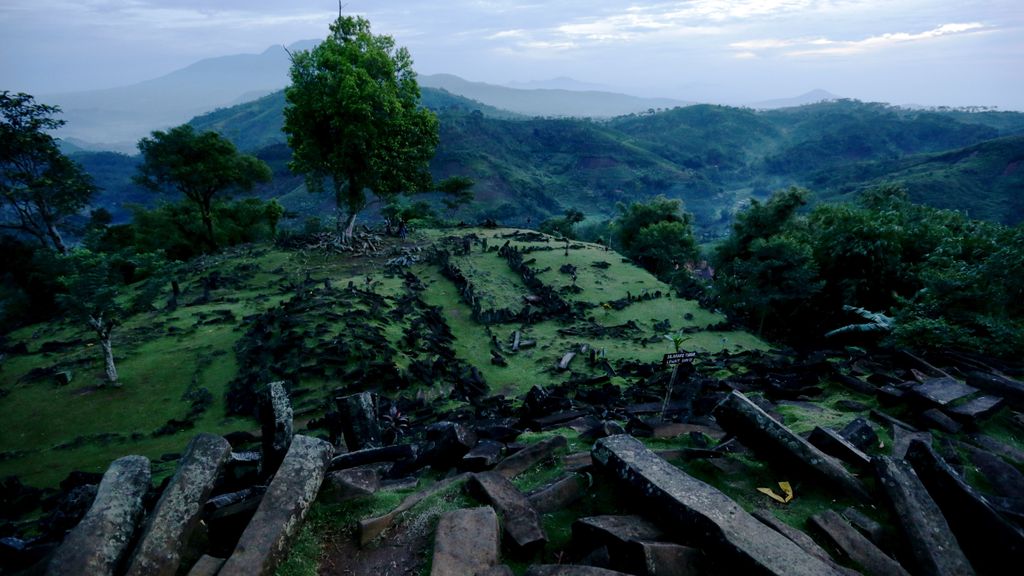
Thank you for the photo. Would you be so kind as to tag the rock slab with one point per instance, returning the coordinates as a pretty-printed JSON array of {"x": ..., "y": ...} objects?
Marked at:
[
  {"x": 521, "y": 521},
  {"x": 758, "y": 430},
  {"x": 932, "y": 543},
  {"x": 276, "y": 427},
  {"x": 467, "y": 541},
  {"x": 855, "y": 546},
  {"x": 695, "y": 509},
  {"x": 267, "y": 538},
  {"x": 100, "y": 541},
  {"x": 533, "y": 454},
  {"x": 178, "y": 511}
]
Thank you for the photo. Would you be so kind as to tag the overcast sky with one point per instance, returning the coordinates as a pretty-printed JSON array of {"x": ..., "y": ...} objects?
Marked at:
[{"x": 931, "y": 52}]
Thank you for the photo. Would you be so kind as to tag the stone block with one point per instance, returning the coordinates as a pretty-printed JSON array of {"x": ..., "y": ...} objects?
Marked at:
[
  {"x": 520, "y": 520},
  {"x": 467, "y": 541}
]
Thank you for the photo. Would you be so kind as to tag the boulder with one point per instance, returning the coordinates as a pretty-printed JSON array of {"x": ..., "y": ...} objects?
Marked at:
[
  {"x": 854, "y": 547},
  {"x": 276, "y": 425},
  {"x": 351, "y": 483},
  {"x": 706, "y": 517},
  {"x": 100, "y": 541},
  {"x": 268, "y": 536},
  {"x": 519, "y": 519},
  {"x": 755, "y": 428},
  {"x": 481, "y": 457},
  {"x": 934, "y": 548},
  {"x": 466, "y": 542},
  {"x": 178, "y": 511},
  {"x": 447, "y": 443},
  {"x": 860, "y": 433}
]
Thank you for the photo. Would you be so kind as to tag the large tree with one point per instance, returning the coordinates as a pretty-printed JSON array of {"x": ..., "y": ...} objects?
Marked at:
[
  {"x": 39, "y": 186},
  {"x": 353, "y": 119},
  {"x": 202, "y": 167}
]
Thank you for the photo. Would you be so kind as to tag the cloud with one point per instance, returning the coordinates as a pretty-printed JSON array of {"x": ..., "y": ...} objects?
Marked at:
[{"x": 828, "y": 47}]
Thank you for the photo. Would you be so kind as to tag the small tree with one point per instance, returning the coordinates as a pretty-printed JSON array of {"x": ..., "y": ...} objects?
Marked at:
[
  {"x": 39, "y": 186},
  {"x": 200, "y": 166},
  {"x": 657, "y": 233},
  {"x": 457, "y": 190},
  {"x": 93, "y": 287},
  {"x": 353, "y": 118}
]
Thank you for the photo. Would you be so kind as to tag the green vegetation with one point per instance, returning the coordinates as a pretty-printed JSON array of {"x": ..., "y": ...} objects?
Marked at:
[
  {"x": 40, "y": 188},
  {"x": 948, "y": 281},
  {"x": 353, "y": 118}
]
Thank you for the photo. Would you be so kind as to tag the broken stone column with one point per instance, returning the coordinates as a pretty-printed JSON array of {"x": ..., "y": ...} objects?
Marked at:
[
  {"x": 991, "y": 549},
  {"x": 755, "y": 428},
  {"x": 533, "y": 454},
  {"x": 100, "y": 541},
  {"x": 177, "y": 513},
  {"x": 520, "y": 520},
  {"x": 267, "y": 538},
  {"x": 854, "y": 546},
  {"x": 276, "y": 424},
  {"x": 359, "y": 421},
  {"x": 466, "y": 542},
  {"x": 935, "y": 549},
  {"x": 703, "y": 515}
]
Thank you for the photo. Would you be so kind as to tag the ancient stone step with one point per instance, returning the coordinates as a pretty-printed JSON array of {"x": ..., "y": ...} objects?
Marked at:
[
  {"x": 934, "y": 548},
  {"x": 267, "y": 538},
  {"x": 832, "y": 443},
  {"x": 569, "y": 570},
  {"x": 558, "y": 494},
  {"x": 854, "y": 546},
  {"x": 942, "y": 391},
  {"x": 276, "y": 426},
  {"x": 761, "y": 432},
  {"x": 520, "y": 520},
  {"x": 530, "y": 456},
  {"x": 701, "y": 514},
  {"x": 100, "y": 541},
  {"x": 990, "y": 549},
  {"x": 467, "y": 541},
  {"x": 359, "y": 423},
  {"x": 178, "y": 512}
]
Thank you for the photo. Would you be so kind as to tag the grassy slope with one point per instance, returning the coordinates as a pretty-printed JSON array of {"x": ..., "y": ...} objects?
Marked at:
[{"x": 160, "y": 354}]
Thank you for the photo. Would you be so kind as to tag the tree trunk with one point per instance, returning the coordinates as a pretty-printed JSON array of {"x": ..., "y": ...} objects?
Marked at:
[
  {"x": 108, "y": 358},
  {"x": 350, "y": 224},
  {"x": 55, "y": 237},
  {"x": 208, "y": 224}
]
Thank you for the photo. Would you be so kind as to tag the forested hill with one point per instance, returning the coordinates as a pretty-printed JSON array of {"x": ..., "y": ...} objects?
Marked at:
[{"x": 712, "y": 157}]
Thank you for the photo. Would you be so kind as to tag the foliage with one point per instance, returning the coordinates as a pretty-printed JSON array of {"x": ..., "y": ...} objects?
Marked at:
[
  {"x": 948, "y": 281},
  {"x": 93, "y": 288},
  {"x": 28, "y": 283},
  {"x": 563, "y": 226},
  {"x": 202, "y": 167},
  {"x": 39, "y": 186},
  {"x": 657, "y": 234},
  {"x": 352, "y": 117},
  {"x": 176, "y": 229},
  {"x": 457, "y": 190}
]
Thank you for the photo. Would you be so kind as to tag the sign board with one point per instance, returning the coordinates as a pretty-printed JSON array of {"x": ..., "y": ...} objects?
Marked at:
[{"x": 676, "y": 358}]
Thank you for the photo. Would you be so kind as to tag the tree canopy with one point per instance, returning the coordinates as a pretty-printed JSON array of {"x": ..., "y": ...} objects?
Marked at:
[
  {"x": 353, "y": 118},
  {"x": 200, "y": 166},
  {"x": 39, "y": 186},
  {"x": 656, "y": 233}
]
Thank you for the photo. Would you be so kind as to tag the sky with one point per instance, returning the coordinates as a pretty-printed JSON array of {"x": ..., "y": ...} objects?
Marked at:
[{"x": 908, "y": 52}]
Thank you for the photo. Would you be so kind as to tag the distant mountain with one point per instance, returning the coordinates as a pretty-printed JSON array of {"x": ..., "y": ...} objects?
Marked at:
[
  {"x": 119, "y": 117},
  {"x": 812, "y": 97},
  {"x": 713, "y": 158},
  {"x": 549, "y": 102},
  {"x": 559, "y": 83}
]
